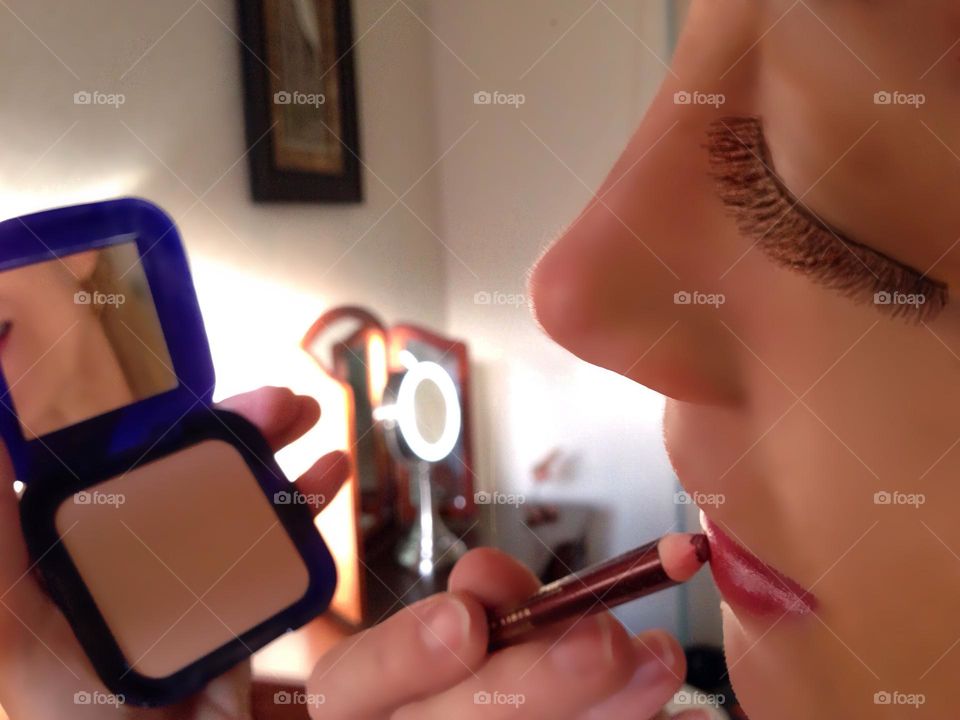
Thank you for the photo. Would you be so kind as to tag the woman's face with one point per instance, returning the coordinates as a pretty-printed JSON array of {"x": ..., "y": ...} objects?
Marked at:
[{"x": 772, "y": 252}]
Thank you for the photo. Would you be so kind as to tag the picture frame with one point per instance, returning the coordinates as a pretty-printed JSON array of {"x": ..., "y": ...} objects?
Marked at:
[{"x": 300, "y": 100}]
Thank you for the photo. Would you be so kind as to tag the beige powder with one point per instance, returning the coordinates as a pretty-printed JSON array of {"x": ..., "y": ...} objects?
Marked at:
[{"x": 194, "y": 524}]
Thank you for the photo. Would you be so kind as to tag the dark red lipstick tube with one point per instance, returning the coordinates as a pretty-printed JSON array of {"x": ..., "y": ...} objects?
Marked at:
[{"x": 633, "y": 575}]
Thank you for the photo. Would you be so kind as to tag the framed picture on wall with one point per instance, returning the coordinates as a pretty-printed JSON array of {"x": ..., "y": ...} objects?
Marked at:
[{"x": 300, "y": 100}]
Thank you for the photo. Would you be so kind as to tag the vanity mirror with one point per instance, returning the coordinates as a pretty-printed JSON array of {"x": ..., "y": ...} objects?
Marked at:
[{"x": 370, "y": 360}]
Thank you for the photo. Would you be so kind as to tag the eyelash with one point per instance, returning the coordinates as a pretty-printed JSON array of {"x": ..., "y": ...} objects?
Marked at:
[{"x": 795, "y": 238}]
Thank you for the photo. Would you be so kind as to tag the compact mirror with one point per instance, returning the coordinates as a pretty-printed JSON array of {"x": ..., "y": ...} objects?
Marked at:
[
  {"x": 161, "y": 525},
  {"x": 79, "y": 337}
]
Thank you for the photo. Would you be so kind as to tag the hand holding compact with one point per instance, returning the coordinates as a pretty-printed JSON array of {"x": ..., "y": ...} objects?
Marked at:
[{"x": 44, "y": 673}]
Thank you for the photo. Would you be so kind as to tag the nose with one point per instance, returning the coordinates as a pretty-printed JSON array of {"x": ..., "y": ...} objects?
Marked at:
[
  {"x": 634, "y": 284},
  {"x": 637, "y": 284}
]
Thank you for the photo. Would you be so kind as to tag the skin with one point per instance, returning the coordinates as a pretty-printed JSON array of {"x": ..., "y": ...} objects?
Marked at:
[
  {"x": 53, "y": 341},
  {"x": 879, "y": 401}
]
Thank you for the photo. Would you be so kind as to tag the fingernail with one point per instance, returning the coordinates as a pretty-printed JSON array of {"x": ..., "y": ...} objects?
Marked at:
[
  {"x": 446, "y": 624},
  {"x": 221, "y": 699},
  {"x": 698, "y": 715},
  {"x": 587, "y": 646},
  {"x": 656, "y": 660},
  {"x": 659, "y": 645}
]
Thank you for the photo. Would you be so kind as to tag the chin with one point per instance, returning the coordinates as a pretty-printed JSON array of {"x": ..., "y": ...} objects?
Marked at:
[{"x": 762, "y": 681}]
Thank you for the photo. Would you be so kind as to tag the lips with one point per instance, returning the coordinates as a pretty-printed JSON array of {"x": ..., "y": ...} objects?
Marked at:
[{"x": 747, "y": 582}]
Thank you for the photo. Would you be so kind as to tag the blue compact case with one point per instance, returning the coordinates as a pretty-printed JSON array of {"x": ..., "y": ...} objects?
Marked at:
[{"x": 161, "y": 526}]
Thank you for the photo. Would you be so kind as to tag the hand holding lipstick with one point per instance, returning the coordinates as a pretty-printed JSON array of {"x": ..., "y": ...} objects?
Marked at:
[{"x": 431, "y": 660}]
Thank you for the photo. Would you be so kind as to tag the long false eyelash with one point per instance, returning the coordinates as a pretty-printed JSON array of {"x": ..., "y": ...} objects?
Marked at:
[{"x": 789, "y": 233}]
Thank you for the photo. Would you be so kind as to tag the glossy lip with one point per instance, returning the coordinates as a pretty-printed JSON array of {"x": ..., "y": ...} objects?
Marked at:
[{"x": 747, "y": 582}]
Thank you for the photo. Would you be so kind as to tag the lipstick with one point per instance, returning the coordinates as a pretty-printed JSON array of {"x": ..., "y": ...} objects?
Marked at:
[
  {"x": 747, "y": 582},
  {"x": 660, "y": 564}
]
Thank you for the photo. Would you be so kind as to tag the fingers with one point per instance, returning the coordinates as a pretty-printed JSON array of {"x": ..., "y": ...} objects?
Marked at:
[
  {"x": 323, "y": 480},
  {"x": 429, "y": 661},
  {"x": 419, "y": 651},
  {"x": 689, "y": 715},
  {"x": 660, "y": 667},
  {"x": 558, "y": 676},
  {"x": 694, "y": 715},
  {"x": 281, "y": 415},
  {"x": 493, "y": 578}
]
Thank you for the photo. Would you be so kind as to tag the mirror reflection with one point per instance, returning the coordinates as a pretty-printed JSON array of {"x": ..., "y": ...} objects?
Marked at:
[
  {"x": 80, "y": 336},
  {"x": 430, "y": 410}
]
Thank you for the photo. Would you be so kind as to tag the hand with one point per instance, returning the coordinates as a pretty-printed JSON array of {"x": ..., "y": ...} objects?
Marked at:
[
  {"x": 41, "y": 663},
  {"x": 429, "y": 661}
]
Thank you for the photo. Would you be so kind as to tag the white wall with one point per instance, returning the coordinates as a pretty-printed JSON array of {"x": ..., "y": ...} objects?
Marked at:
[
  {"x": 180, "y": 132},
  {"x": 587, "y": 75}
]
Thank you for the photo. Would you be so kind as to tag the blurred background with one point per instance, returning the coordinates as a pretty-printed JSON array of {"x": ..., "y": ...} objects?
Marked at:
[{"x": 415, "y": 179}]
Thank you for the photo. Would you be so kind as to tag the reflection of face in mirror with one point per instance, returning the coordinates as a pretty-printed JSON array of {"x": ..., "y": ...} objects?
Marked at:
[
  {"x": 430, "y": 409},
  {"x": 80, "y": 336}
]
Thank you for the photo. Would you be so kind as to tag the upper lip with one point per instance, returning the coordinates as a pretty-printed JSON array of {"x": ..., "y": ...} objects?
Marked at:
[{"x": 746, "y": 580}]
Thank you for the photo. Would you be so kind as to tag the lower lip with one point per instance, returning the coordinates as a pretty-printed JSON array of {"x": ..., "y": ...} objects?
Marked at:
[{"x": 748, "y": 583}]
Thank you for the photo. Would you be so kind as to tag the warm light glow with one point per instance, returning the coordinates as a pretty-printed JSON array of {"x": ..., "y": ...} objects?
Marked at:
[
  {"x": 254, "y": 327},
  {"x": 15, "y": 201},
  {"x": 376, "y": 367}
]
